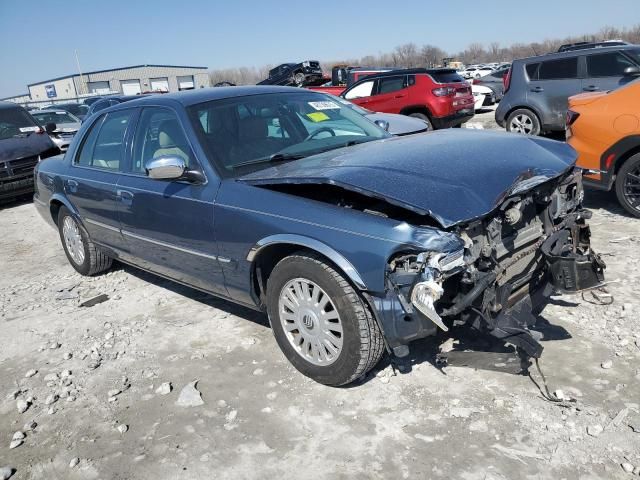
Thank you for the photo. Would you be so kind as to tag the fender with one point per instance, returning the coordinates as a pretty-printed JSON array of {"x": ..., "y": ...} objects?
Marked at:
[
  {"x": 61, "y": 198},
  {"x": 289, "y": 239}
]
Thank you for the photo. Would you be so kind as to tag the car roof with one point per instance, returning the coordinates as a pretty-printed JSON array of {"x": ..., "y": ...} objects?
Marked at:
[
  {"x": 193, "y": 97},
  {"x": 409, "y": 71},
  {"x": 50, "y": 110},
  {"x": 9, "y": 105},
  {"x": 576, "y": 53}
]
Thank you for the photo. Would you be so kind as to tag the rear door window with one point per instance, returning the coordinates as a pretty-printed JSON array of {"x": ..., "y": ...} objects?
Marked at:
[
  {"x": 532, "y": 70},
  {"x": 103, "y": 147},
  {"x": 390, "y": 84},
  {"x": 558, "y": 69},
  {"x": 610, "y": 64}
]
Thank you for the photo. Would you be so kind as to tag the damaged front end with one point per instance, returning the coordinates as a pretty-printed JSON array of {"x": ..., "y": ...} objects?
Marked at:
[{"x": 534, "y": 244}]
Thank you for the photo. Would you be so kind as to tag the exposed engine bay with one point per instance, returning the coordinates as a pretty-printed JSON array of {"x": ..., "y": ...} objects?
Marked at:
[{"x": 535, "y": 244}]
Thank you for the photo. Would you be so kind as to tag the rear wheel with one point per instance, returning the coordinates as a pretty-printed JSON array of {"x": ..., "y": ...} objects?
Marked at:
[
  {"x": 628, "y": 185},
  {"x": 423, "y": 117},
  {"x": 523, "y": 121},
  {"x": 298, "y": 78},
  {"x": 320, "y": 322},
  {"x": 83, "y": 255}
]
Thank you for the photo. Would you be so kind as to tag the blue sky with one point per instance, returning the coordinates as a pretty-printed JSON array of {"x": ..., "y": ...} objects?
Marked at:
[{"x": 38, "y": 39}]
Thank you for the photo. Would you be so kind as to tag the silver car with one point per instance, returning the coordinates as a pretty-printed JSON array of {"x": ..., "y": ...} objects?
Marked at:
[{"x": 67, "y": 125}]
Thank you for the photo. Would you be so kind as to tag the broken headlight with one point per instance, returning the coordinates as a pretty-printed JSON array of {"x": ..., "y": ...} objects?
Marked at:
[{"x": 426, "y": 292}]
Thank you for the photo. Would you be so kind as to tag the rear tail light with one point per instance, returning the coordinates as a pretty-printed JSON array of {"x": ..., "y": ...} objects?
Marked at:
[
  {"x": 506, "y": 81},
  {"x": 571, "y": 117},
  {"x": 476, "y": 81},
  {"x": 443, "y": 91}
]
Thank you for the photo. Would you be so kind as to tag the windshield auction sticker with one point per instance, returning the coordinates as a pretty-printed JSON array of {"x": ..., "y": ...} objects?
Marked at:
[
  {"x": 29, "y": 129},
  {"x": 324, "y": 105}
]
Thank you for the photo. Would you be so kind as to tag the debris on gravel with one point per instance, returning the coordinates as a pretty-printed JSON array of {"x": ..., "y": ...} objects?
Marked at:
[
  {"x": 190, "y": 396},
  {"x": 164, "y": 388},
  {"x": 30, "y": 373},
  {"x": 74, "y": 462},
  {"x": 6, "y": 473}
]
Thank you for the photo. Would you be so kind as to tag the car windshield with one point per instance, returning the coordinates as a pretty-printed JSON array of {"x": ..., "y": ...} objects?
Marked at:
[
  {"x": 58, "y": 118},
  {"x": 249, "y": 133},
  {"x": 16, "y": 122}
]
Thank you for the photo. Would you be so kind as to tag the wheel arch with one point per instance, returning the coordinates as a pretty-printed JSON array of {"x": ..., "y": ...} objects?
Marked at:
[
  {"x": 266, "y": 253},
  {"x": 525, "y": 107},
  {"x": 623, "y": 149},
  {"x": 58, "y": 201},
  {"x": 417, "y": 109}
]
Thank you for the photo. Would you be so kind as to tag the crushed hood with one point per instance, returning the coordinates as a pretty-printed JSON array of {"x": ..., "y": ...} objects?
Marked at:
[{"x": 451, "y": 175}]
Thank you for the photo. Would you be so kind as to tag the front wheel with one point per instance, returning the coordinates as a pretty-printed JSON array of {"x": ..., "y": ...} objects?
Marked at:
[
  {"x": 320, "y": 322},
  {"x": 83, "y": 255},
  {"x": 523, "y": 121},
  {"x": 424, "y": 118},
  {"x": 628, "y": 185}
]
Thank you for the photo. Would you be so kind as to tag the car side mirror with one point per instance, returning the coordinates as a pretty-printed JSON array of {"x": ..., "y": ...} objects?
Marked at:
[
  {"x": 632, "y": 71},
  {"x": 172, "y": 167},
  {"x": 383, "y": 124},
  {"x": 166, "y": 168},
  {"x": 50, "y": 127}
]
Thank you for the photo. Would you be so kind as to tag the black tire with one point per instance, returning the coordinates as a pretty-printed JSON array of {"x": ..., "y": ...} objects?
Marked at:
[
  {"x": 424, "y": 117},
  {"x": 298, "y": 78},
  {"x": 623, "y": 181},
  {"x": 363, "y": 345},
  {"x": 95, "y": 260},
  {"x": 524, "y": 113}
]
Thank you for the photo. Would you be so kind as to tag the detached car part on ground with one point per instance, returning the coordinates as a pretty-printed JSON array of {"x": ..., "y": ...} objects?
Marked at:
[{"x": 353, "y": 241}]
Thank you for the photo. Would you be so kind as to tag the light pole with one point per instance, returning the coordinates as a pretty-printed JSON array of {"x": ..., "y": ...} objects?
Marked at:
[{"x": 80, "y": 72}]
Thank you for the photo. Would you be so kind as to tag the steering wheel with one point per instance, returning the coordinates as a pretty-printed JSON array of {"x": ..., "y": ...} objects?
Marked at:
[{"x": 320, "y": 130}]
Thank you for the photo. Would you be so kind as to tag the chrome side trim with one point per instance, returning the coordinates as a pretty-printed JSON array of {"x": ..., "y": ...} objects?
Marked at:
[
  {"x": 173, "y": 247},
  {"x": 102, "y": 225}
]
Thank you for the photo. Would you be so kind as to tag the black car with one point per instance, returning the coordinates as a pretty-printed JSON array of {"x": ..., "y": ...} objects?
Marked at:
[
  {"x": 78, "y": 109},
  {"x": 109, "y": 102},
  {"x": 537, "y": 89},
  {"x": 294, "y": 74},
  {"x": 23, "y": 143},
  {"x": 494, "y": 81}
]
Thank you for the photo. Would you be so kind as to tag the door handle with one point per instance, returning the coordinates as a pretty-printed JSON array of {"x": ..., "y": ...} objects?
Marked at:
[
  {"x": 590, "y": 88},
  {"x": 125, "y": 196},
  {"x": 400, "y": 96},
  {"x": 72, "y": 185},
  {"x": 537, "y": 89}
]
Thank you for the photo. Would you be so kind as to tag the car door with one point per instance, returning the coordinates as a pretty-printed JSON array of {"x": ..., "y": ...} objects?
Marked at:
[
  {"x": 168, "y": 225},
  {"x": 390, "y": 94},
  {"x": 94, "y": 174},
  {"x": 605, "y": 71},
  {"x": 360, "y": 93},
  {"x": 551, "y": 84}
]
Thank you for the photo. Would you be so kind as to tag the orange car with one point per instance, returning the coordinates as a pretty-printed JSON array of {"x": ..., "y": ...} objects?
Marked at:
[{"x": 604, "y": 128}]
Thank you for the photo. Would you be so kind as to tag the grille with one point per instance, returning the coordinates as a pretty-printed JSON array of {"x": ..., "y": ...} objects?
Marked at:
[{"x": 18, "y": 168}]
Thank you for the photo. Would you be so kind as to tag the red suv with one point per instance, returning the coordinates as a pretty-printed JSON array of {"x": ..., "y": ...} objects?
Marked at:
[{"x": 438, "y": 96}]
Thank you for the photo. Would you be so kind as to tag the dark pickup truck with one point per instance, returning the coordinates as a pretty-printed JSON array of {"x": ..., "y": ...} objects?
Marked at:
[{"x": 295, "y": 74}]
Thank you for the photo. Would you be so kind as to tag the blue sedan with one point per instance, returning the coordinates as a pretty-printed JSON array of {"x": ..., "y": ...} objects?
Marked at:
[{"x": 353, "y": 242}]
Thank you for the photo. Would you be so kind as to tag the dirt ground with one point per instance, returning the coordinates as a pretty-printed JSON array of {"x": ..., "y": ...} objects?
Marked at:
[{"x": 97, "y": 407}]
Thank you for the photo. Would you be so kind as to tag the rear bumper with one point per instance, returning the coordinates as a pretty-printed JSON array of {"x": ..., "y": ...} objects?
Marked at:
[{"x": 458, "y": 118}]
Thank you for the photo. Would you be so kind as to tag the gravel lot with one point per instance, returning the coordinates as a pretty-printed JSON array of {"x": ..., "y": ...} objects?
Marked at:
[{"x": 98, "y": 406}]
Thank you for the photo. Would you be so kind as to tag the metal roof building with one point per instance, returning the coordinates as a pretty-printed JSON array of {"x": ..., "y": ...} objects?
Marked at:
[{"x": 126, "y": 80}]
